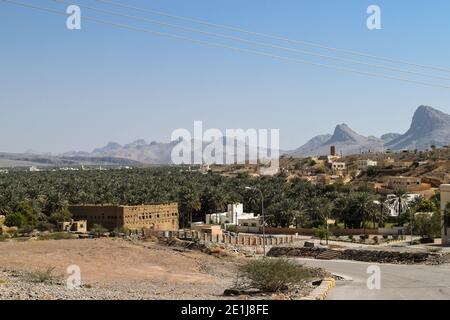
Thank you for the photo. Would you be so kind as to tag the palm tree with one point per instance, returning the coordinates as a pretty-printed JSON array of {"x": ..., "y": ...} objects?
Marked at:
[{"x": 365, "y": 207}]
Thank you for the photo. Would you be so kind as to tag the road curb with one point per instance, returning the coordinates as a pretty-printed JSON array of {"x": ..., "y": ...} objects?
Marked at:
[{"x": 321, "y": 292}]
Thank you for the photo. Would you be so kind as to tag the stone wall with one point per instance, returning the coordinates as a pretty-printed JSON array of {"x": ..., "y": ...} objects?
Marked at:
[{"x": 246, "y": 240}]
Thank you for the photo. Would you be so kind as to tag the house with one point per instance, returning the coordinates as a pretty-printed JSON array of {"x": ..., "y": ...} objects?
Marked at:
[
  {"x": 163, "y": 217},
  {"x": 234, "y": 216},
  {"x": 250, "y": 220},
  {"x": 230, "y": 217},
  {"x": 365, "y": 164},
  {"x": 338, "y": 167},
  {"x": 410, "y": 184},
  {"x": 73, "y": 226},
  {"x": 211, "y": 230},
  {"x": 402, "y": 164}
]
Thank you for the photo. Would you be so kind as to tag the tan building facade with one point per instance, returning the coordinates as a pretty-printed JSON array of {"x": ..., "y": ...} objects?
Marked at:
[
  {"x": 410, "y": 184},
  {"x": 162, "y": 217},
  {"x": 73, "y": 226}
]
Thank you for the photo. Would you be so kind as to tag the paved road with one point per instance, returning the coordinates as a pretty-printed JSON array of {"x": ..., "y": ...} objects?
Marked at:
[{"x": 398, "y": 282}]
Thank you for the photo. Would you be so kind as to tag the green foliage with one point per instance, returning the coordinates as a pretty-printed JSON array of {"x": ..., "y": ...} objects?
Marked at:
[
  {"x": 274, "y": 274},
  {"x": 427, "y": 225},
  {"x": 423, "y": 205},
  {"x": 99, "y": 229},
  {"x": 355, "y": 209},
  {"x": 320, "y": 233},
  {"x": 40, "y": 199},
  {"x": 15, "y": 219},
  {"x": 57, "y": 236}
]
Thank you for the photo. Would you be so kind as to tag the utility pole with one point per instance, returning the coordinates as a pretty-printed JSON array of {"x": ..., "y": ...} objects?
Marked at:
[{"x": 263, "y": 217}]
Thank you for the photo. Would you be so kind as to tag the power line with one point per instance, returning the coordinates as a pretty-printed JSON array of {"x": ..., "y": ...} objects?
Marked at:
[
  {"x": 258, "y": 43},
  {"x": 275, "y": 37},
  {"x": 218, "y": 45}
]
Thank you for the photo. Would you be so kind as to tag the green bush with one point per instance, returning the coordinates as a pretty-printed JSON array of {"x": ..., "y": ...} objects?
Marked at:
[
  {"x": 15, "y": 219},
  {"x": 44, "y": 226},
  {"x": 57, "y": 236},
  {"x": 274, "y": 275},
  {"x": 99, "y": 229},
  {"x": 26, "y": 229}
]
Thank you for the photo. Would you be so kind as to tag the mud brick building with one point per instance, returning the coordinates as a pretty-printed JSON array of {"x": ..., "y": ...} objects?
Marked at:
[{"x": 162, "y": 217}]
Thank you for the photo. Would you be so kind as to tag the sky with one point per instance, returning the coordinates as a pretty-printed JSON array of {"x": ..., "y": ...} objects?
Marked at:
[{"x": 63, "y": 90}]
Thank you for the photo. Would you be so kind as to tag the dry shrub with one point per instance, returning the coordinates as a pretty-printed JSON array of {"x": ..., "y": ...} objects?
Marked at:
[{"x": 275, "y": 274}]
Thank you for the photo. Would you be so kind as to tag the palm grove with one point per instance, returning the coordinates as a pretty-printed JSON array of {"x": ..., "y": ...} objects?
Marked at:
[{"x": 38, "y": 200}]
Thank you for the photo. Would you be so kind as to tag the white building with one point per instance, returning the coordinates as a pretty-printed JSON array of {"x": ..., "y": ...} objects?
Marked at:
[
  {"x": 234, "y": 211},
  {"x": 234, "y": 216},
  {"x": 365, "y": 164}
]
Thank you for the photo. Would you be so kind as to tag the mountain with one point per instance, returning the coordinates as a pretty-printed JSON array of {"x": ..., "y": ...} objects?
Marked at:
[
  {"x": 429, "y": 127},
  {"x": 311, "y": 145},
  {"x": 343, "y": 134},
  {"x": 388, "y": 137},
  {"x": 344, "y": 139},
  {"x": 8, "y": 160},
  {"x": 139, "y": 150}
]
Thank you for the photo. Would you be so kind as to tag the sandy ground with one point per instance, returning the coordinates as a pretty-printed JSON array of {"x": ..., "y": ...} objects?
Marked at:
[{"x": 147, "y": 269}]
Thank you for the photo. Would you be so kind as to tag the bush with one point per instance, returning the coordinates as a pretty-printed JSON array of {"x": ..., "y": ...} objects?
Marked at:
[
  {"x": 26, "y": 229},
  {"x": 15, "y": 220},
  {"x": 57, "y": 236},
  {"x": 44, "y": 226},
  {"x": 274, "y": 275},
  {"x": 2, "y": 238},
  {"x": 42, "y": 276},
  {"x": 99, "y": 229}
]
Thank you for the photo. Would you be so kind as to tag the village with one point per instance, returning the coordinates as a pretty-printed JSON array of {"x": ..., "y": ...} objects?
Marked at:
[{"x": 408, "y": 183}]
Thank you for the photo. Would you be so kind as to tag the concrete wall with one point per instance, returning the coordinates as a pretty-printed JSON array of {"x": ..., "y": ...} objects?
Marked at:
[{"x": 445, "y": 198}]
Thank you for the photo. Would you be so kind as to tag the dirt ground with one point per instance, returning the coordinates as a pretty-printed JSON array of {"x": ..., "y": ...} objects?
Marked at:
[{"x": 154, "y": 270}]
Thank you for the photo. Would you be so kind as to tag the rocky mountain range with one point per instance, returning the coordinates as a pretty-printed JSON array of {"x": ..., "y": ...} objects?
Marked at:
[{"x": 429, "y": 127}]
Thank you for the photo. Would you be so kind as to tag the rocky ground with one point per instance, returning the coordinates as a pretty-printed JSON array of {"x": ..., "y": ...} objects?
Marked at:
[
  {"x": 112, "y": 269},
  {"x": 117, "y": 269}
]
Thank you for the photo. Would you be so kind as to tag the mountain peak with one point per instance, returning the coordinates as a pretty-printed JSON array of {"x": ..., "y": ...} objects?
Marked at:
[
  {"x": 429, "y": 127},
  {"x": 428, "y": 118},
  {"x": 343, "y": 133}
]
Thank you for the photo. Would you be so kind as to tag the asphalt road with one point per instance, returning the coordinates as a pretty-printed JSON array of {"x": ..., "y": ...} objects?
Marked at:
[{"x": 397, "y": 282}]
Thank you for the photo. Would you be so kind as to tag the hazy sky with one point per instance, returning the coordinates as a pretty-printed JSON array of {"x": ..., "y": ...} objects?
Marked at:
[{"x": 67, "y": 90}]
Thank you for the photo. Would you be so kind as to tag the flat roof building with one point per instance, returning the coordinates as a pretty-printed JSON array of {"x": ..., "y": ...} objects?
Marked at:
[{"x": 162, "y": 217}]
